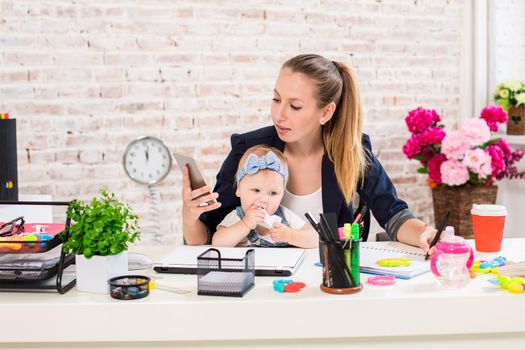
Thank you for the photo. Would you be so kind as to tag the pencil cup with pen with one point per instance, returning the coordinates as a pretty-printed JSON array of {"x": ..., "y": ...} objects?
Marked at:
[
  {"x": 452, "y": 260},
  {"x": 338, "y": 275},
  {"x": 339, "y": 255}
]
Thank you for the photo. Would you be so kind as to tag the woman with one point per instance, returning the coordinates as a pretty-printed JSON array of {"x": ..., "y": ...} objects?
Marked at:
[{"x": 317, "y": 124}]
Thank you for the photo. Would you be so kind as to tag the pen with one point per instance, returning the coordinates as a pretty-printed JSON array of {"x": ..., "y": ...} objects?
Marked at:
[
  {"x": 315, "y": 225},
  {"x": 360, "y": 215},
  {"x": 438, "y": 233},
  {"x": 326, "y": 226}
]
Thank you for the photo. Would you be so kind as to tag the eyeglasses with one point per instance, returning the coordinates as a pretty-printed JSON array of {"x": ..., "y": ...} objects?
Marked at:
[{"x": 12, "y": 227}]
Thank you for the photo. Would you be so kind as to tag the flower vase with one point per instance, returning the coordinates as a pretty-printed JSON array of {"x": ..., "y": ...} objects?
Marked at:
[
  {"x": 516, "y": 121},
  {"x": 93, "y": 273},
  {"x": 459, "y": 200}
]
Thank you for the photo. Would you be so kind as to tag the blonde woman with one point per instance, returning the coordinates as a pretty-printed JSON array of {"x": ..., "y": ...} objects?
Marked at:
[{"x": 317, "y": 124}]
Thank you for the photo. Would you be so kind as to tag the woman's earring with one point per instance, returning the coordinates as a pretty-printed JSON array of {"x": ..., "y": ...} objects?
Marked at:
[{"x": 322, "y": 122}]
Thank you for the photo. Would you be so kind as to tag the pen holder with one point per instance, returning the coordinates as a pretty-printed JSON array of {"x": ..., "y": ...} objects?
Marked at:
[{"x": 340, "y": 268}]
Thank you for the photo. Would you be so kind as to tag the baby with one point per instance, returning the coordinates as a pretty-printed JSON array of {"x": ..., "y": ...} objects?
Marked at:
[{"x": 260, "y": 220}]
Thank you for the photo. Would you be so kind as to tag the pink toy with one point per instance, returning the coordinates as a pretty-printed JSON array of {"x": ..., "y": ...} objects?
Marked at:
[{"x": 382, "y": 280}]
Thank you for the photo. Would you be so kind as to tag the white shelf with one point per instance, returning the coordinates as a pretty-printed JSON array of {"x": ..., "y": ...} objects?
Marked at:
[{"x": 513, "y": 139}]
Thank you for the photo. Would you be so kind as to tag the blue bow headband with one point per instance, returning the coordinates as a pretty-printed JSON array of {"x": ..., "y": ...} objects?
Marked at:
[{"x": 269, "y": 161}]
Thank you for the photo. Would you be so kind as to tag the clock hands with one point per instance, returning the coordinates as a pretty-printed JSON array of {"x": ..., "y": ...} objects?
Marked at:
[{"x": 146, "y": 150}]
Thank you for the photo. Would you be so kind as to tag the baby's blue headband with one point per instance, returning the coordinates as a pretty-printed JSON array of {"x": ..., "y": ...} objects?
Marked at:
[{"x": 269, "y": 161}]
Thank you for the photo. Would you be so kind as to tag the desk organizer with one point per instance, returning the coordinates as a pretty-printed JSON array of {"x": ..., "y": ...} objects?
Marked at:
[
  {"x": 225, "y": 276},
  {"x": 34, "y": 238},
  {"x": 339, "y": 276},
  {"x": 129, "y": 287},
  {"x": 40, "y": 267},
  {"x": 29, "y": 267}
]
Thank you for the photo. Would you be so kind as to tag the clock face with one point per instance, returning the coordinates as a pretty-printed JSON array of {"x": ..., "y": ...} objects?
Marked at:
[{"x": 147, "y": 160}]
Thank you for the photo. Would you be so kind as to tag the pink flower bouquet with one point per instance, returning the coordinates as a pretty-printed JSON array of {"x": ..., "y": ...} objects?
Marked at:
[{"x": 469, "y": 155}]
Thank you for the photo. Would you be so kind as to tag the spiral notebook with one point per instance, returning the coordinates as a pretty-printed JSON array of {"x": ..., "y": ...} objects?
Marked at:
[{"x": 374, "y": 251}]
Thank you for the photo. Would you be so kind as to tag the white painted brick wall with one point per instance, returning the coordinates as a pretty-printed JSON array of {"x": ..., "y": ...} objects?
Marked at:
[
  {"x": 509, "y": 32},
  {"x": 84, "y": 78}
]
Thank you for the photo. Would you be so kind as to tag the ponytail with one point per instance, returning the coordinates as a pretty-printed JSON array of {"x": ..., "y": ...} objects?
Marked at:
[{"x": 342, "y": 134}]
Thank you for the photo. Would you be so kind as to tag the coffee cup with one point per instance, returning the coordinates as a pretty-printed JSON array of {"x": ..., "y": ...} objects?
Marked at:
[{"x": 488, "y": 222}]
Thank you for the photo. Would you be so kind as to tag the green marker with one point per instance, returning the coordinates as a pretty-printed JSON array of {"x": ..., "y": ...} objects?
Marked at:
[
  {"x": 355, "y": 253},
  {"x": 347, "y": 235}
]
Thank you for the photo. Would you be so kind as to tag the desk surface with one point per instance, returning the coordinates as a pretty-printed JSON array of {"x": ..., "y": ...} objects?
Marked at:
[{"x": 410, "y": 308}]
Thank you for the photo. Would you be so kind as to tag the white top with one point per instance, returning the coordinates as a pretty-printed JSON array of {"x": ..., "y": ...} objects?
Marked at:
[
  {"x": 300, "y": 204},
  {"x": 294, "y": 222}
]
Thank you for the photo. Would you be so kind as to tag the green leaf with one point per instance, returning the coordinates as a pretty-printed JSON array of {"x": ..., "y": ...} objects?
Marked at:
[
  {"x": 423, "y": 170},
  {"x": 103, "y": 226}
]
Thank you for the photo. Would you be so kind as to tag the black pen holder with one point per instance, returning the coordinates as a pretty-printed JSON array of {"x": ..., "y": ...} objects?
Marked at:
[{"x": 338, "y": 275}]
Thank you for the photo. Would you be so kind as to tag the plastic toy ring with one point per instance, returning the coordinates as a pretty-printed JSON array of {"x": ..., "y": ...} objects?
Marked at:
[
  {"x": 394, "y": 262},
  {"x": 381, "y": 280}
]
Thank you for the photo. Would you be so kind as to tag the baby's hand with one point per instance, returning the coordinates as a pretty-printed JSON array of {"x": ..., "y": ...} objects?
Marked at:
[
  {"x": 280, "y": 232},
  {"x": 253, "y": 216}
]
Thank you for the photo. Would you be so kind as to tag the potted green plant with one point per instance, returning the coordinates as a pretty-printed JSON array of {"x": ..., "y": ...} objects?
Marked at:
[
  {"x": 99, "y": 236},
  {"x": 511, "y": 96}
]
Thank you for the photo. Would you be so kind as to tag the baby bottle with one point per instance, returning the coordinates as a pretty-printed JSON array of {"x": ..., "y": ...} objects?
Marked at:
[{"x": 452, "y": 260}]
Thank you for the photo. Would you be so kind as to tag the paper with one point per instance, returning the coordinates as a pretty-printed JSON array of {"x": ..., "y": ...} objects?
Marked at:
[
  {"x": 225, "y": 282},
  {"x": 269, "y": 221},
  {"x": 372, "y": 252}
]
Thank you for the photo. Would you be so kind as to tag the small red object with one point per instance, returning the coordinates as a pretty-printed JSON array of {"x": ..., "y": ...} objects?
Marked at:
[
  {"x": 294, "y": 287},
  {"x": 300, "y": 284}
]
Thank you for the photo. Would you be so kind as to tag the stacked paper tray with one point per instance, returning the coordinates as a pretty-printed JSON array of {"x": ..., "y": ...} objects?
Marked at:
[{"x": 29, "y": 267}]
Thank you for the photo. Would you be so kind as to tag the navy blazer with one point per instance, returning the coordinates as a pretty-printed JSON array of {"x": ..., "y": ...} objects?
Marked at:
[{"x": 377, "y": 190}]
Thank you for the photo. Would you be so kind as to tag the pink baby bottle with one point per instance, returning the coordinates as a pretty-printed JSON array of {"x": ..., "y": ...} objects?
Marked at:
[{"x": 452, "y": 260}]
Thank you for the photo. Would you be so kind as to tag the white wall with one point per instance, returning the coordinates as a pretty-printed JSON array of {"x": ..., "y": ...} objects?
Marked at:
[{"x": 507, "y": 62}]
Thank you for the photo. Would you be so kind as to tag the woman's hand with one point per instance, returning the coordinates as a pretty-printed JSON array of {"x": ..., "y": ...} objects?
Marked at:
[
  {"x": 415, "y": 232},
  {"x": 425, "y": 239},
  {"x": 196, "y": 202}
]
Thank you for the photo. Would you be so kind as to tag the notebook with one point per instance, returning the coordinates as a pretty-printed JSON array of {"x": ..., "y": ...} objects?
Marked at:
[
  {"x": 268, "y": 261},
  {"x": 372, "y": 252}
]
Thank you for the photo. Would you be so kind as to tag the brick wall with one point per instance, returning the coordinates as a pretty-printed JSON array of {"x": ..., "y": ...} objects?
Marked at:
[
  {"x": 509, "y": 41},
  {"x": 84, "y": 78}
]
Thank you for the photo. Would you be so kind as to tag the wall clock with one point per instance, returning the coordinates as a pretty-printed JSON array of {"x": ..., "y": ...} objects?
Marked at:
[{"x": 147, "y": 160}]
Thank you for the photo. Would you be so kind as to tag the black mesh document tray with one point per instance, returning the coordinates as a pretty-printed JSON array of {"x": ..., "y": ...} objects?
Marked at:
[{"x": 225, "y": 276}]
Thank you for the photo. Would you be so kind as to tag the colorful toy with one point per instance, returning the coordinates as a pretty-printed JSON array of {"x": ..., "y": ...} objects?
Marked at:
[
  {"x": 381, "y": 280},
  {"x": 288, "y": 286},
  {"x": 394, "y": 262}
]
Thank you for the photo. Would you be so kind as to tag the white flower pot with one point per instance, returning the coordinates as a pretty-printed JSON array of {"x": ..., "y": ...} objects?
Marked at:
[{"x": 93, "y": 273}]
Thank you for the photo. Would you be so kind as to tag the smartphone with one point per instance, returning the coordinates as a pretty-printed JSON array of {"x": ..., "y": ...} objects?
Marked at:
[{"x": 196, "y": 179}]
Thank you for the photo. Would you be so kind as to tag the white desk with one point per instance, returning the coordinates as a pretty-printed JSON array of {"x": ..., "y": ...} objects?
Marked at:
[{"x": 408, "y": 315}]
